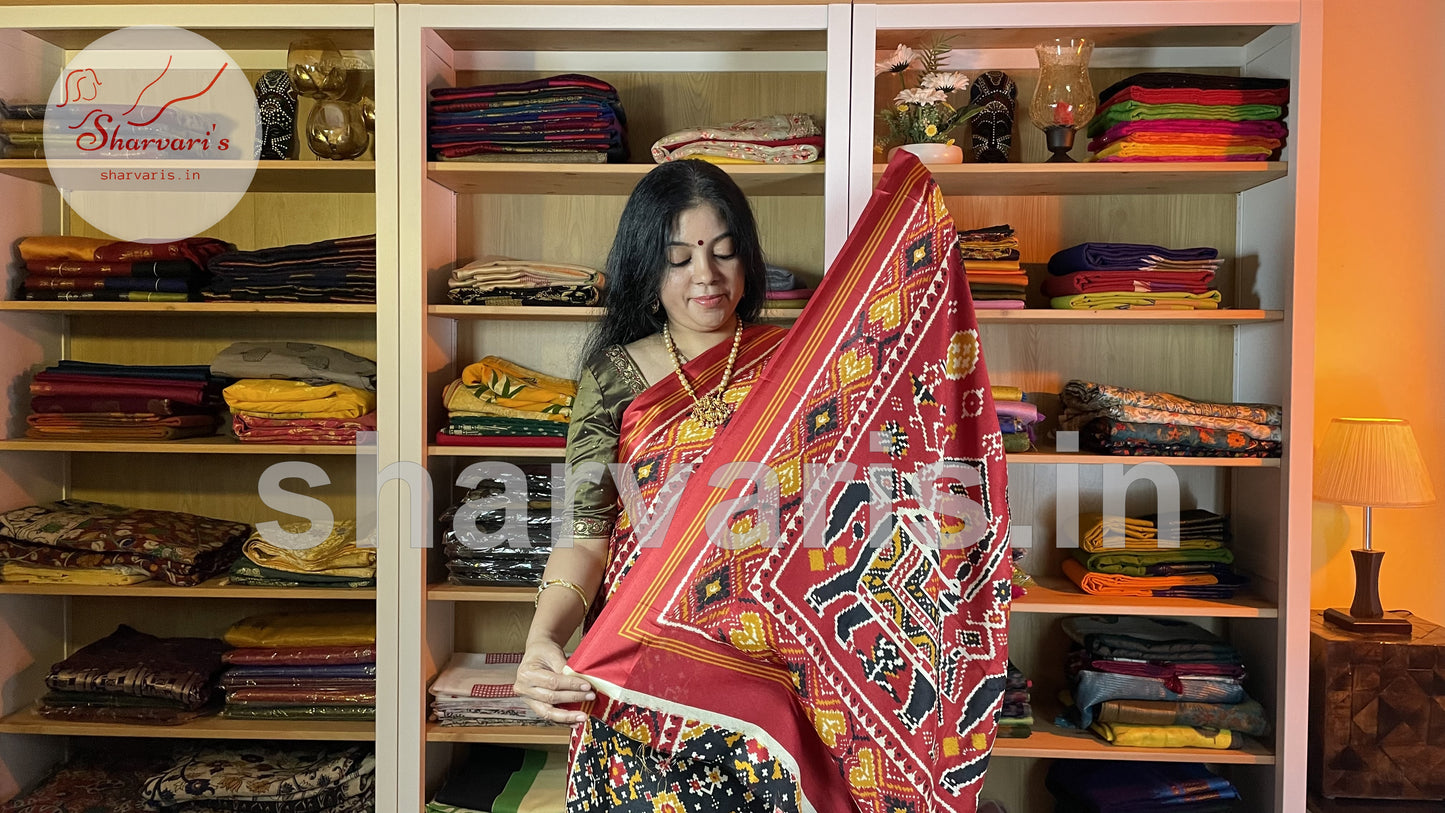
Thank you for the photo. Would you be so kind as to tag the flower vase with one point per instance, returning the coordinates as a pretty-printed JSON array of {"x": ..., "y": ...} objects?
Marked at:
[{"x": 932, "y": 153}]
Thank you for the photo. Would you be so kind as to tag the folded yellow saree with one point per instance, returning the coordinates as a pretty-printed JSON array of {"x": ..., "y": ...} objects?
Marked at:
[
  {"x": 1124, "y": 299},
  {"x": 497, "y": 387},
  {"x": 283, "y": 398},
  {"x": 303, "y": 629},
  {"x": 336, "y": 555},
  {"x": 1002, "y": 393},
  {"x": 1122, "y": 149},
  {"x": 1135, "y": 534},
  {"x": 1166, "y": 736},
  {"x": 24, "y": 573}
]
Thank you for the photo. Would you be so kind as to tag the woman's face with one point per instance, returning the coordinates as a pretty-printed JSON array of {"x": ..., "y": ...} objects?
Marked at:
[{"x": 702, "y": 281}]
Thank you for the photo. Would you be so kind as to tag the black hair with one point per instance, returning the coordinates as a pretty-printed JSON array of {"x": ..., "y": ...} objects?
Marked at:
[{"x": 638, "y": 259}]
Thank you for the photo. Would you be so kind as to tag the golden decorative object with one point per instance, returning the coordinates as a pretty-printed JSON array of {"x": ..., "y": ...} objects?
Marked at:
[
  {"x": 337, "y": 130},
  {"x": 318, "y": 70}
]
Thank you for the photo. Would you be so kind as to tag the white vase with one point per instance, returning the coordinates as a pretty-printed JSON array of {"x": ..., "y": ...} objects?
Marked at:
[{"x": 932, "y": 153}]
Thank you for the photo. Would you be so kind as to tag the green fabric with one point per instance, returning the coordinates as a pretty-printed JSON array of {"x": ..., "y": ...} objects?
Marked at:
[
  {"x": 1016, "y": 443},
  {"x": 520, "y": 782},
  {"x": 1139, "y": 111},
  {"x": 438, "y": 807},
  {"x": 603, "y": 393},
  {"x": 247, "y": 573},
  {"x": 1133, "y": 562}
]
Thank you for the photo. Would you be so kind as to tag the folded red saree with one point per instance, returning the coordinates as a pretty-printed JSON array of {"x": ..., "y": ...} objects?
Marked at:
[{"x": 865, "y": 654}]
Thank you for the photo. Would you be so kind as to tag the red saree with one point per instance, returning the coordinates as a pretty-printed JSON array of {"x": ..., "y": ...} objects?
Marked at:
[{"x": 851, "y": 630}]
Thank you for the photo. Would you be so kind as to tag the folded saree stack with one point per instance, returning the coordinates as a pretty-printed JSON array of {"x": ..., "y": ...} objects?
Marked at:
[
  {"x": 102, "y": 270},
  {"x": 1123, "y": 421},
  {"x": 79, "y": 400},
  {"x": 1016, "y": 719},
  {"x": 100, "y": 774},
  {"x": 505, "y": 281},
  {"x": 475, "y": 689},
  {"x": 1118, "y": 276},
  {"x": 333, "y": 560},
  {"x": 498, "y": 778},
  {"x": 792, "y": 138},
  {"x": 259, "y": 777},
  {"x": 1125, "y": 556},
  {"x": 498, "y": 403},
  {"x": 131, "y": 677},
  {"x": 1110, "y": 786},
  {"x": 91, "y": 543},
  {"x": 785, "y": 290},
  {"x": 1157, "y": 683},
  {"x": 1016, "y": 418},
  {"x": 1190, "y": 117},
  {"x": 476, "y": 549},
  {"x": 342, "y": 270},
  {"x": 297, "y": 392},
  {"x": 990, "y": 255},
  {"x": 22, "y": 130},
  {"x": 569, "y": 118},
  {"x": 301, "y": 666}
]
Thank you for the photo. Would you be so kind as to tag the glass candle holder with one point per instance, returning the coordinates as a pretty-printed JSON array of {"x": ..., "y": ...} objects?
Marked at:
[
  {"x": 1064, "y": 99},
  {"x": 337, "y": 130}
]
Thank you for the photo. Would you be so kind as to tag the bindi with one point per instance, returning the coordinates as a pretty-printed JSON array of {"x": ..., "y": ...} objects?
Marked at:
[{"x": 699, "y": 242}]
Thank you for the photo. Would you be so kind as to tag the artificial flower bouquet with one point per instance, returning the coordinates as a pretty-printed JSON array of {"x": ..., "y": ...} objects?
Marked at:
[{"x": 925, "y": 113}]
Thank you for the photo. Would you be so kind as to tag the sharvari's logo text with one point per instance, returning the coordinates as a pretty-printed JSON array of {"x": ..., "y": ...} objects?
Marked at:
[{"x": 152, "y": 134}]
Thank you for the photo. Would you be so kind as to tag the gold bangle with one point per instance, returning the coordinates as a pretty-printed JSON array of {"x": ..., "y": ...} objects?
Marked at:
[{"x": 586, "y": 605}]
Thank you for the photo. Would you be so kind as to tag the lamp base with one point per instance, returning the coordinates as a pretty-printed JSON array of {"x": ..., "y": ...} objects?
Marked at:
[
  {"x": 1060, "y": 140},
  {"x": 1387, "y": 624}
]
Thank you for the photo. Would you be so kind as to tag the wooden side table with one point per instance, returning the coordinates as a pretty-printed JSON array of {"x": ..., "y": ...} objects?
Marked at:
[{"x": 1377, "y": 713}]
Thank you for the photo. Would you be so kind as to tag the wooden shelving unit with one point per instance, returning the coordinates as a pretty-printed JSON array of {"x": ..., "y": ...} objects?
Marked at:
[
  {"x": 607, "y": 179},
  {"x": 29, "y": 721},
  {"x": 215, "y": 588},
  {"x": 1102, "y": 179},
  {"x": 270, "y": 176},
  {"x": 207, "y": 445},
  {"x": 1227, "y": 318},
  {"x": 192, "y": 308},
  {"x": 286, "y": 203},
  {"x": 502, "y": 735}
]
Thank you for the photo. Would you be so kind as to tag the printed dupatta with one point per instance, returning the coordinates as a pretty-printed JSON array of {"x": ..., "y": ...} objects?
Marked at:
[{"x": 867, "y": 658}]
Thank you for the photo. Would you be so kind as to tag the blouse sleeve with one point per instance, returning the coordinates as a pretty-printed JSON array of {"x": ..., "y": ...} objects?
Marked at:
[{"x": 592, "y": 438}]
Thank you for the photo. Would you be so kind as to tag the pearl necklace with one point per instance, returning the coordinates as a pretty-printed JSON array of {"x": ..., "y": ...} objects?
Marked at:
[{"x": 710, "y": 410}]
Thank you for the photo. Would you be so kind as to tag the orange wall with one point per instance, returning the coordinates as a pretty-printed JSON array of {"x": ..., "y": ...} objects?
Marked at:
[{"x": 1380, "y": 334}]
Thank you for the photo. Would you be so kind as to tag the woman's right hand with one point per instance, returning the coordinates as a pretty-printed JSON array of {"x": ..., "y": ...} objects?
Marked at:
[{"x": 542, "y": 681}]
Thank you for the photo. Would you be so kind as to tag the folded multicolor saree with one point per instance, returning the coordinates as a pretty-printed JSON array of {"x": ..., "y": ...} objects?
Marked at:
[{"x": 787, "y": 623}]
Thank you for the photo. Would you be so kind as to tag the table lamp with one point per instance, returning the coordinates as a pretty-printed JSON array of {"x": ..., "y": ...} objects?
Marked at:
[{"x": 1373, "y": 463}]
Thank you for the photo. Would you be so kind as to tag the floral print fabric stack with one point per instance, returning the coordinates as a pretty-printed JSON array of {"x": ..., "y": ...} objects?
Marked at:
[
  {"x": 262, "y": 779},
  {"x": 95, "y": 543},
  {"x": 498, "y": 403},
  {"x": 1123, "y": 421}
]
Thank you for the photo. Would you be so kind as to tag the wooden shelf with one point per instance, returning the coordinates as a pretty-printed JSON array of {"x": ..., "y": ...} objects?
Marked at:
[
  {"x": 215, "y": 444},
  {"x": 1056, "y": 595},
  {"x": 522, "y": 313},
  {"x": 1025, "y": 458},
  {"x": 29, "y": 721},
  {"x": 212, "y": 588},
  {"x": 622, "y": 39},
  {"x": 193, "y": 308},
  {"x": 271, "y": 176},
  {"x": 1049, "y": 741},
  {"x": 1143, "y": 36},
  {"x": 1041, "y": 316},
  {"x": 459, "y": 592},
  {"x": 505, "y": 734},
  {"x": 609, "y": 179},
  {"x": 1205, "y": 178}
]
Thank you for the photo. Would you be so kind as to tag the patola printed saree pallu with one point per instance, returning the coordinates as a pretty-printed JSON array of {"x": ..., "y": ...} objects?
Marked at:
[{"x": 860, "y": 663}]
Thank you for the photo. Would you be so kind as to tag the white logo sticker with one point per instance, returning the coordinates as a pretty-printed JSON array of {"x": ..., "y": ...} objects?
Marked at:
[{"x": 152, "y": 134}]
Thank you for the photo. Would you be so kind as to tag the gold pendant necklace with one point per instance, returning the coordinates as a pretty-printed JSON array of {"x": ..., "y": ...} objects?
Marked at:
[{"x": 710, "y": 410}]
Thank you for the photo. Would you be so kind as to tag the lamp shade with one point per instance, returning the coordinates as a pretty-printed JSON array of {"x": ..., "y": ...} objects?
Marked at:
[{"x": 1371, "y": 461}]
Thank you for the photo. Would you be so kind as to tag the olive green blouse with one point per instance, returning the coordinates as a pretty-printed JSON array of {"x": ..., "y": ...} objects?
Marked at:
[{"x": 609, "y": 382}]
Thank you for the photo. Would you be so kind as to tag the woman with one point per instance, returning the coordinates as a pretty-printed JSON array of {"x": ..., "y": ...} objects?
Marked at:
[
  {"x": 685, "y": 280},
  {"x": 770, "y": 640}
]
